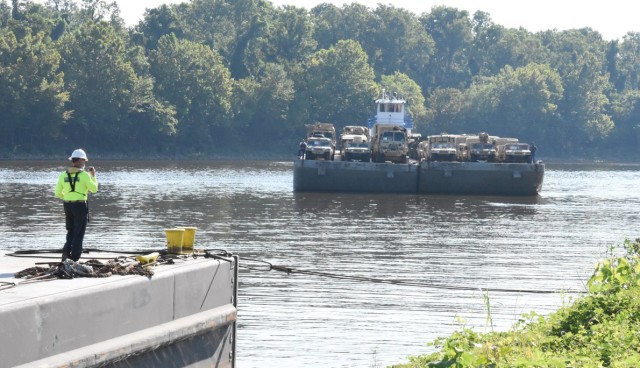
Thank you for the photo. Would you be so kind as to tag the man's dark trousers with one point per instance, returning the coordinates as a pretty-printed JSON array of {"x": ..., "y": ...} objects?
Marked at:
[{"x": 76, "y": 218}]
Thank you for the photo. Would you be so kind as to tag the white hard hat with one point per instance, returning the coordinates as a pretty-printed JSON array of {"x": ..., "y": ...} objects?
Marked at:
[{"x": 79, "y": 153}]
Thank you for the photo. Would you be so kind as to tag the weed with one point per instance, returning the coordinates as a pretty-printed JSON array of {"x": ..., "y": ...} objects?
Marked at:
[{"x": 597, "y": 330}]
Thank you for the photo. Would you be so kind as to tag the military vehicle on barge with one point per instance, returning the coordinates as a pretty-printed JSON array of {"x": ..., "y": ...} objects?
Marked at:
[
  {"x": 321, "y": 141},
  {"x": 355, "y": 143}
]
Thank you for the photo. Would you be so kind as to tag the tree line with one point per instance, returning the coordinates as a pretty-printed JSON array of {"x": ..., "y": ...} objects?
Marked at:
[{"x": 241, "y": 77}]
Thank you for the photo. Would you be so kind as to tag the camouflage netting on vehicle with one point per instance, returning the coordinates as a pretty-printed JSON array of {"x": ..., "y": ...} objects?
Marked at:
[{"x": 91, "y": 268}]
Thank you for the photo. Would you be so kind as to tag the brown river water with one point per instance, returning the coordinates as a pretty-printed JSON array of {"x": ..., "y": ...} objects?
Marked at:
[{"x": 531, "y": 253}]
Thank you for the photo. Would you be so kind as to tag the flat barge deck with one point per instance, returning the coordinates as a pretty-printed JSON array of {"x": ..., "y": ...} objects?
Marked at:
[{"x": 184, "y": 315}]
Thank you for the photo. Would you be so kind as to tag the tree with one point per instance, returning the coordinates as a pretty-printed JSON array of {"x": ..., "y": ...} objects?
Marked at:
[
  {"x": 100, "y": 81},
  {"x": 152, "y": 121},
  {"x": 191, "y": 77},
  {"x": 101, "y": 11},
  {"x": 527, "y": 101},
  {"x": 398, "y": 42},
  {"x": 520, "y": 102},
  {"x": 628, "y": 61},
  {"x": 624, "y": 141},
  {"x": 290, "y": 36},
  {"x": 262, "y": 104},
  {"x": 351, "y": 22},
  {"x": 340, "y": 84},
  {"x": 451, "y": 29},
  {"x": 445, "y": 109},
  {"x": 393, "y": 38},
  {"x": 585, "y": 106},
  {"x": 232, "y": 28},
  {"x": 158, "y": 22},
  {"x": 5, "y": 14},
  {"x": 32, "y": 94}
]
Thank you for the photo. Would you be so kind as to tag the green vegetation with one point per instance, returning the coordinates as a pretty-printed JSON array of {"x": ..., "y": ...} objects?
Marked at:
[
  {"x": 240, "y": 77},
  {"x": 598, "y": 330}
]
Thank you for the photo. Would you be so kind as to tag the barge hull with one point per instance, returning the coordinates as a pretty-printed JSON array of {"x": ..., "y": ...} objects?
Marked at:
[
  {"x": 466, "y": 178},
  {"x": 481, "y": 178},
  {"x": 350, "y": 176}
]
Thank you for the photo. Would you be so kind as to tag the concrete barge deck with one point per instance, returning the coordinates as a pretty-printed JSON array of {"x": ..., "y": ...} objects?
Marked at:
[{"x": 184, "y": 315}]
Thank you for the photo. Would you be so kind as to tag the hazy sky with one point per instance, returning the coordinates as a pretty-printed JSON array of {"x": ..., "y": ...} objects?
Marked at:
[{"x": 612, "y": 18}]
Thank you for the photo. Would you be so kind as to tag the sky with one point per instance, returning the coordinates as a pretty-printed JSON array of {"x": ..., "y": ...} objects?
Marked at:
[{"x": 612, "y": 18}]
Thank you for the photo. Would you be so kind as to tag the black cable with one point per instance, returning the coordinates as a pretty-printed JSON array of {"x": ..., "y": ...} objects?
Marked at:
[
  {"x": 291, "y": 270},
  {"x": 7, "y": 285},
  {"x": 33, "y": 253},
  {"x": 222, "y": 254}
]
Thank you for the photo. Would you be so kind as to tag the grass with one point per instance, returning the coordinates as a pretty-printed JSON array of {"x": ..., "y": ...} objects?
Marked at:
[{"x": 599, "y": 330}]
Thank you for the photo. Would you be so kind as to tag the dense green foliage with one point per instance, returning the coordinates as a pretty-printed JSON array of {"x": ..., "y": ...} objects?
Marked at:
[
  {"x": 205, "y": 77},
  {"x": 598, "y": 330}
]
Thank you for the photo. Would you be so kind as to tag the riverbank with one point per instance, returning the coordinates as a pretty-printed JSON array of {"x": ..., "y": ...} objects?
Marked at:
[{"x": 599, "y": 329}]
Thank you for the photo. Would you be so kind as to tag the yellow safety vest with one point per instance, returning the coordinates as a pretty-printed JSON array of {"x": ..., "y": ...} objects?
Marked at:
[{"x": 74, "y": 184}]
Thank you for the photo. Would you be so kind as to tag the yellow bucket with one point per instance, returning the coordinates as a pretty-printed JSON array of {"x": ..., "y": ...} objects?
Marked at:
[
  {"x": 189, "y": 239},
  {"x": 174, "y": 240}
]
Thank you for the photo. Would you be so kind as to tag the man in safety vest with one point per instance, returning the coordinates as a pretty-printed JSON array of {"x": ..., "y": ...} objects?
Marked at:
[{"x": 74, "y": 185}]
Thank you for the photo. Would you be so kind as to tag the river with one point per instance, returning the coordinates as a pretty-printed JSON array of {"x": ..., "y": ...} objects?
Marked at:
[{"x": 532, "y": 253}]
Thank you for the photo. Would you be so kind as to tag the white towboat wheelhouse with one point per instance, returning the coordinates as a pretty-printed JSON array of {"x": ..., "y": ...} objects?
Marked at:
[{"x": 391, "y": 109}]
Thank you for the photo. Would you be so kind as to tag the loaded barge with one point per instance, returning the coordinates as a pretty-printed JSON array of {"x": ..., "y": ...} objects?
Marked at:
[{"x": 397, "y": 161}]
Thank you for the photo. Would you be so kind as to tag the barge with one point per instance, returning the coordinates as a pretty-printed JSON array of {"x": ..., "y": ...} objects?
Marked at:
[
  {"x": 184, "y": 315},
  {"x": 398, "y": 161}
]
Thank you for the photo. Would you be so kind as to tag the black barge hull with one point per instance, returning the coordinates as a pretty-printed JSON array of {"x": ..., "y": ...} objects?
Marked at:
[
  {"x": 469, "y": 178},
  {"x": 480, "y": 178},
  {"x": 351, "y": 176}
]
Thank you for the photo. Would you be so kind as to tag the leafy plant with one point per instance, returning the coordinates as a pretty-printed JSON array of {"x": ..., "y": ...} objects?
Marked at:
[
  {"x": 617, "y": 273},
  {"x": 598, "y": 330}
]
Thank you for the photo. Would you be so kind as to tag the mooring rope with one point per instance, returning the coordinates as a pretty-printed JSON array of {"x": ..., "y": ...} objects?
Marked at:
[
  {"x": 222, "y": 254},
  {"x": 6, "y": 285},
  {"x": 291, "y": 270}
]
